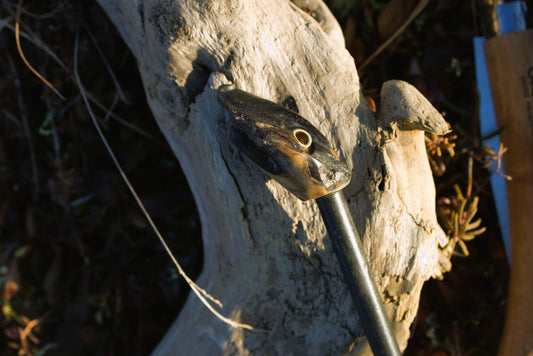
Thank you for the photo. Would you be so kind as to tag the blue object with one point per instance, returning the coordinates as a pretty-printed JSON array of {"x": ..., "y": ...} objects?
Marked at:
[{"x": 512, "y": 18}]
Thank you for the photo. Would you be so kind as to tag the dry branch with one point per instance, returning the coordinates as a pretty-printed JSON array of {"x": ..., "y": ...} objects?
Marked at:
[{"x": 267, "y": 257}]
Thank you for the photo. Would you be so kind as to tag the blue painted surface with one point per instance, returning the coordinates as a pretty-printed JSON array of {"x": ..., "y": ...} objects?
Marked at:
[
  {"x": 487, "y": 126},
  {"x": 512, "y": 18}
]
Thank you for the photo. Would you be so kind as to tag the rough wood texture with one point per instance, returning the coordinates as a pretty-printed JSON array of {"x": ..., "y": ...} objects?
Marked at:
[
  {"x": 267, "y": 256},
  {"x": 510, "y": 67}
]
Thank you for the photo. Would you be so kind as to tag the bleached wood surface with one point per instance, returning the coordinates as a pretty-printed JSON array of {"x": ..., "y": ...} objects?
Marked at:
[{"x": 267, "y": 256}]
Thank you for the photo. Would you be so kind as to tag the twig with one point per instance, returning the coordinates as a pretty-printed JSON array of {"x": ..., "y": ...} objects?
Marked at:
[
  {"x": 474, "y": 18},
  {"x": 12, "y": 117},
  {"x": 112, "y": 107},
  {"x": 43, "y": 16},
  {"x": 109, "y": 69},
  {"x": 17, "y": 40},
  {"x": 108, "y": 111},
  {"x": 36, "y": 41},
  {"x": 55, "y": 136},
  {"x": 129, "y": 125},
  {"x": 26, "y": 332},
  {"x": 25, "y": 125},
  {"x": 200, "y": 293},
  {"x": 398, "y": 32},
  {"x": 470, "y": 169}
]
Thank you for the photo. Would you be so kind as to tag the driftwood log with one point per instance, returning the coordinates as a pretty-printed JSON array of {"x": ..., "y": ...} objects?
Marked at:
[{"x": 267, "y": 256}]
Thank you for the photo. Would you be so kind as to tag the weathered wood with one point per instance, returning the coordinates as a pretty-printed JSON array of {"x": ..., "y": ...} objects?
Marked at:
[
  {"x": 266, "y": 254},
  {"x": 510, "y": 67}
]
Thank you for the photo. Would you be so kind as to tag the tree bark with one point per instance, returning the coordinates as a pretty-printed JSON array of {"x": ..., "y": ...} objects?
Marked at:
[{"x": 267, "y": 256}]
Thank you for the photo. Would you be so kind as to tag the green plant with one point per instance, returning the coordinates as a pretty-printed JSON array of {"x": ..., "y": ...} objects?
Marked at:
[
  {"x": 435, "y": 144},
  {"x": 456, "y": 214}
]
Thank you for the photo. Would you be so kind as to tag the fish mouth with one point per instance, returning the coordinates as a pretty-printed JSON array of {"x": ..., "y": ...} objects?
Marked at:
[{"x": 284, "y": 145}]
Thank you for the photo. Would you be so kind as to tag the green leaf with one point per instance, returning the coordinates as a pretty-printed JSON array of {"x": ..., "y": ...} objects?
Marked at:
[
  {"x": 474, "y": 224},
  {"x": 463, "y": 247}
]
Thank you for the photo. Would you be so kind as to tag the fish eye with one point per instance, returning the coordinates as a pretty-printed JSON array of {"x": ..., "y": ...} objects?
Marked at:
[{"x": 303, "y": 138}]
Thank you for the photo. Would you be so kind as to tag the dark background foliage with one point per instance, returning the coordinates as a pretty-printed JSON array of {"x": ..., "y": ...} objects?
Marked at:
[{"x": 79, "y": 266}]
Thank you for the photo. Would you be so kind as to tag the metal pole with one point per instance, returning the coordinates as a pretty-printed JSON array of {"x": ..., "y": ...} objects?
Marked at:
[
  {"x": 279, "y": 141},
  {"x": 349, "y": 250}
]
